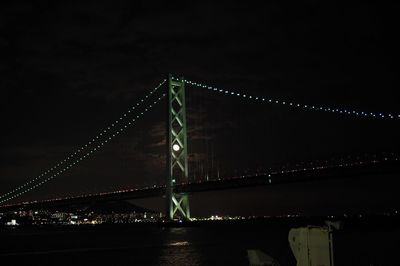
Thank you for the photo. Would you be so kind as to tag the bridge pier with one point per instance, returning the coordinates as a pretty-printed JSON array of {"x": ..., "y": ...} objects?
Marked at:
[{"x": 177, "y": 204}]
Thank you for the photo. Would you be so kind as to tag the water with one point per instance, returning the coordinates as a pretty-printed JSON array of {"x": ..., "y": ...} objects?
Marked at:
[{"x": 204, "y": 245}]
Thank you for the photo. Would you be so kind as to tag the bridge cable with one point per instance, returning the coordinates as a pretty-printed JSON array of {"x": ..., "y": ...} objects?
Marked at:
[
  {"x": 261, "y": 99},
  {"x": 78, "y": 153}
]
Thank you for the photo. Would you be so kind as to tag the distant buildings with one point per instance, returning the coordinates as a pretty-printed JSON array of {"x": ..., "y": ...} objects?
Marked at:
[{"x": 77, "y": 217}]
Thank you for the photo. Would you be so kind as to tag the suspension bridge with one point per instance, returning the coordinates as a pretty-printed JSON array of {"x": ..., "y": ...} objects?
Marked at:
[{"x": 178, "y": 187}]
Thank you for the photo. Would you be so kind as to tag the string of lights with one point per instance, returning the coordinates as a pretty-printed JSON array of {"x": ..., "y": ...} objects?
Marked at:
[
  {"x": 340, "y": 162},
  {"x": 95, "y": 140},
  {"x": 273, "y": 175},
  {"x": 118, "y": 126},
  {"x": 89, "y": 153},
  {"x": 343, "y": 111}
]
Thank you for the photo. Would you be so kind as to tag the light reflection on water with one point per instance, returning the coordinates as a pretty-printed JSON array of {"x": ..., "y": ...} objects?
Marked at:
[
  {"x": 181, "y": 243},
  {"x": 214, "y": 245},
  {"x": 178, "y": 250}
]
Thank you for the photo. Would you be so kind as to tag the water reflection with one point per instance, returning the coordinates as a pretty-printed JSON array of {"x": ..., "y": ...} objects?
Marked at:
[
  {"x": 180, "y": 243},
  {"x": 178, "y": 249}
]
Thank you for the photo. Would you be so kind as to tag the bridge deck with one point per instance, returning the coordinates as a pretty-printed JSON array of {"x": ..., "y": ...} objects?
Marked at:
[{"x": 264, "y": 179}]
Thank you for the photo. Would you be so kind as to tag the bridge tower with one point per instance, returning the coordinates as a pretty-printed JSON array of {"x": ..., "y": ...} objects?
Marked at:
[{"x": 177, "y": 204}]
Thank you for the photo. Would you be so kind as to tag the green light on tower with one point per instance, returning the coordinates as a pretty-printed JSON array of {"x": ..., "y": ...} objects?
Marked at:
[{"x": 177, "y": 204}]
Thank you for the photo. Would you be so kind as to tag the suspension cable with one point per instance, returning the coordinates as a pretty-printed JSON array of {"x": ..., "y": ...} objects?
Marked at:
[
  {"x": 91, "y": 146},
  {"x": 260, "y": 99}
]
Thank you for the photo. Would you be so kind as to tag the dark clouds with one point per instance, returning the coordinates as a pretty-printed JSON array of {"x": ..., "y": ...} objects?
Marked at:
[{"x": 68, "y": 69}]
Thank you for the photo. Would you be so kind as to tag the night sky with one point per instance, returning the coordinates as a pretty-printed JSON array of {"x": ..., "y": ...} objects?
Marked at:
[{"x": 68, "y": 70}]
